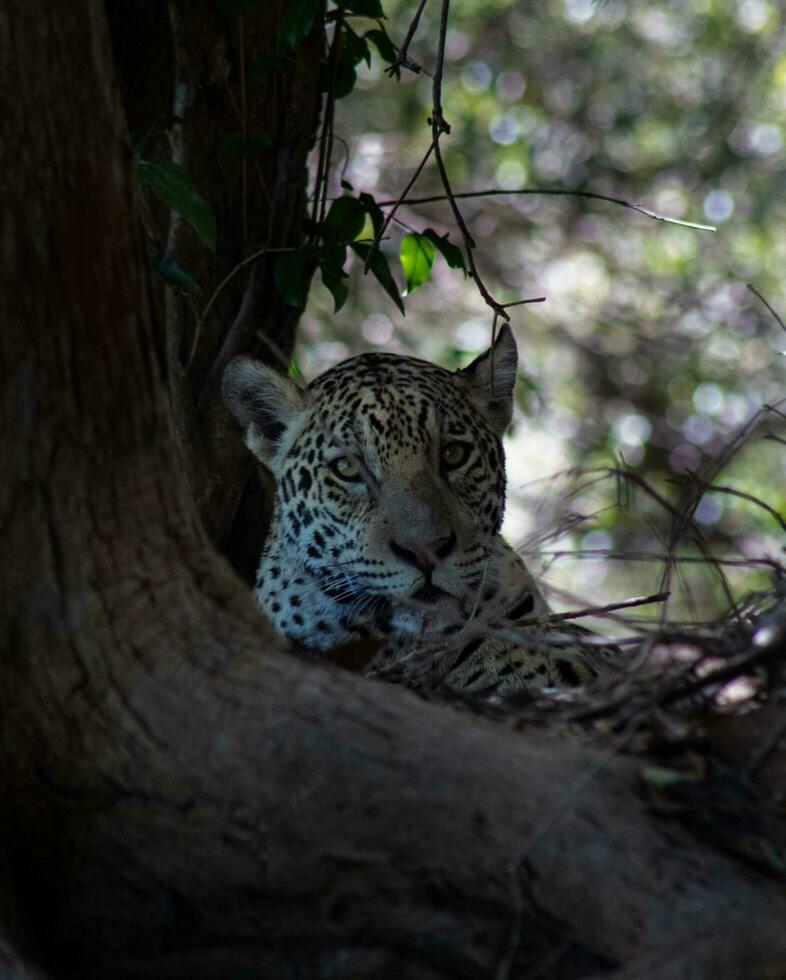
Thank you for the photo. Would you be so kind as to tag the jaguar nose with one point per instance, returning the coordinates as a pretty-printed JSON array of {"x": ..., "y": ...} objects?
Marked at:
[{"x": 424, "y": 554}]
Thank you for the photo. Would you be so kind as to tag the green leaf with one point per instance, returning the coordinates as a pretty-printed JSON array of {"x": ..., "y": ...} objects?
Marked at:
[
  {"x": 331, "y": 263},
  {"x": 176, "y": 276},
  {"x": 339, "y": 79},
  {"x": 344, "y": 221},
  {"x": 379, "y": 38},
  {"x": 451, "y": 253},
  {"x": 379, "y": 266},
  {"x": 298, "y": 20},
  {"x": 338, "y": 290},
  {"x": 363, "y": 8},
  {"x": 171, "y": 184},
  {"x": 374, "y": 211},
  {"x": 417, "y": 258},
  {"x": 235, "y": 146},
  {"x": 292, "y": 275},
  {"x": 354, "y": 46}
]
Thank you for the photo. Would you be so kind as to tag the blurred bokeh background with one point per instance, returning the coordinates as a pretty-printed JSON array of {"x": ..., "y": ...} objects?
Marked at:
[{"x": 650, "y": 352}]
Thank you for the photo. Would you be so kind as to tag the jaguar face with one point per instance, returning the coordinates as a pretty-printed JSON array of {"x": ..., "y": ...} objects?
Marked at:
[
  {"x": 391, "y": 486},
  {"x": 390, "y": 471}
]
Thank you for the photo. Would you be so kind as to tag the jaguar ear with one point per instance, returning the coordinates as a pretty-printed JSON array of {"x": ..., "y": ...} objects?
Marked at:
[
  {"x": 490, "y": 378},
  {"x": 263, "y": 401}
]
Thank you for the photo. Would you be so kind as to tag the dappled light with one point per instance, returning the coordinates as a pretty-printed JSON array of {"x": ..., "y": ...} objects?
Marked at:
[{"x": 649, "y": 352}]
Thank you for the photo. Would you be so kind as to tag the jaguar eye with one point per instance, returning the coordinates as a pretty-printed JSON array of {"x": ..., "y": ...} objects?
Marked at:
[
  {"x": 347, "y": 468},
  {"x": 453, "y": 454}
]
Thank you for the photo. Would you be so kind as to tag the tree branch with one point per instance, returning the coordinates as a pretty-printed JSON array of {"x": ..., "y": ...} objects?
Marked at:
[
  {"x": 402, "y": 57},
  {"x": 555, "y": 192}
]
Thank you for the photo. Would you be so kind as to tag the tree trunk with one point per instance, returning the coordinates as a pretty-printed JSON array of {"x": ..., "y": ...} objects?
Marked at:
[
  {"x": 182, "y": 798},
  {"x": 189, "y": 85}
]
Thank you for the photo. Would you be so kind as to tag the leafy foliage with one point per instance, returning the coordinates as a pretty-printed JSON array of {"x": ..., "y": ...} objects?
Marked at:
[
  {"x": 380, "y": 268},
  {"x": 383, "y": 44},
  {"x": 450, "y": 253},
  {"x": 417, "y": 257},
  {"x": 331, "y": 262},
  {"x": 344, "y": 221},
  {"x": 649, "y": 347}
]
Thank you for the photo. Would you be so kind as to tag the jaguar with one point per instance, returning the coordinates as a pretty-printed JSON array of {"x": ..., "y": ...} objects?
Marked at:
[{"x": 390, "y": 495}]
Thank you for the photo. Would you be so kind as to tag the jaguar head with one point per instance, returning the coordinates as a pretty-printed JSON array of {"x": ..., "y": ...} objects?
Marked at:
[{"x": 390, "y": 472}]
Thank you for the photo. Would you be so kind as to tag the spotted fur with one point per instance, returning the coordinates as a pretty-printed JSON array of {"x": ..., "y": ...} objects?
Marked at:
[{"x": 376, "y": 534}]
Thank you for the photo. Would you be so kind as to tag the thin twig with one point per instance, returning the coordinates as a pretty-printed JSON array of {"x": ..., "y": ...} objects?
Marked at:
[
  {"x": 219, "y": 288},
  {"x": 559, "y": 192},
  {"x": 715, "y": 488},
  {"x": 756, "y": 293},
  {"x": 774, "y": 408},
  {"x": 438, "y": 127},
  {"x": 326, "y": 143},
  {"x": 438, "y": 123},
  {"x": 656, "y": 556},
  {"x": 469, "y": 242},
  {"x": 345, "y": 164},
  {"x": 682, "y": 521},
  {"x": 330, "y": 110},
  {"x": 402, "y": 58},
  {"x": 684, "y": 516},
  {"x": 523, "y": 302},
  {"x": 595, "y": 610},
  {"x": 390, "y": 216},
  {"x": 237, "y": 331},
  {"x": 639, "y": 624}
]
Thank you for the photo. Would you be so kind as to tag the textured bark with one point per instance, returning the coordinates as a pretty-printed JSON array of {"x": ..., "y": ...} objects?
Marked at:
[
  {"x": 217, "y": 95},
  {"x": 188, "y": 83},
  {"x": 181, "y": 798}
]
